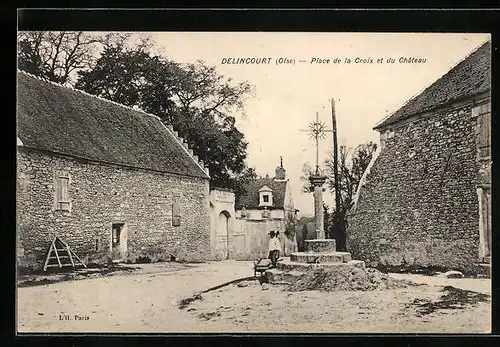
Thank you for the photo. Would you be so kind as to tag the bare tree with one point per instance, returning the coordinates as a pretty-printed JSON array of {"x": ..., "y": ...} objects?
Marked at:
[
  {"x": 352, "y": 164},
  {"x": 56, "y": 55}
]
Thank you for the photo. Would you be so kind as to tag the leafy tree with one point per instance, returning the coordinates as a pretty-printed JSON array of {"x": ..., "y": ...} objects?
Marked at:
[
  {"x": 200, "y": 85},
  {"x": 304, "y": 231},
  {"x": 131, "y": 75},
  {"x": 290, "y": 223},
  {"x": 240, "y": 182},
  {"x": 193, "y": 98}
]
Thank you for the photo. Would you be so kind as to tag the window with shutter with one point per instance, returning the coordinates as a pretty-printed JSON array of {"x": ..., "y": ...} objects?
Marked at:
[
  {"x": 176, "y": 211},
  {"x": 484, "y": 134},
  {"x": 61, "y": 184}
]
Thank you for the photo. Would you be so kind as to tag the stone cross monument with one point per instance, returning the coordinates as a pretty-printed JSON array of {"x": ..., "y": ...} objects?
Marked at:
[
  {"x": 317, "y": 131},
  {"x": 320, "y": 252}
]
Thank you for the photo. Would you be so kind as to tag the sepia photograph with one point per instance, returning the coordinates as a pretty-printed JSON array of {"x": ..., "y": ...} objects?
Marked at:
[{"x": 253, "y": 182}]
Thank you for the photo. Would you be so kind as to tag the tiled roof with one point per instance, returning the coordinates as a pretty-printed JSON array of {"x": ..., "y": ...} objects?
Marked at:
[
  {"x": 469, "y": 77},
  {"x": 55, "y": 118},
  {"x": 250, "y": 200}
]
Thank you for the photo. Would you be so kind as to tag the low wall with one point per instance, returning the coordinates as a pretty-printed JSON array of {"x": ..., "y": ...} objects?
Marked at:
[{"x": 251, "y": 238}]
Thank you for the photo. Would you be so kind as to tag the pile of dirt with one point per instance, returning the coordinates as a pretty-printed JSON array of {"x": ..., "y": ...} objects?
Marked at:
[{"x": 349, "y": 279}]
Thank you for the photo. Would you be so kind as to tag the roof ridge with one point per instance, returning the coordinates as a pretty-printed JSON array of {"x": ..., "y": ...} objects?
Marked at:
[
  {"x": 172, "y": 133},
  {"x": 421, "y": 91}
]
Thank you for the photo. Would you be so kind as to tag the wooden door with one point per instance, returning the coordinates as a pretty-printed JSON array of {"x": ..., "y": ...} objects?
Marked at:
[{"x": 118, "y": 241}]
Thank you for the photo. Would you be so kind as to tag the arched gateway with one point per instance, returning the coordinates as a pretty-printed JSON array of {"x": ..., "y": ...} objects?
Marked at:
[{"x": 223, "y": 234}]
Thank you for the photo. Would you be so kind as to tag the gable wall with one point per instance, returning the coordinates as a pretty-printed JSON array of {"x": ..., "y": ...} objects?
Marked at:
[{"x": 419, "y": 206}]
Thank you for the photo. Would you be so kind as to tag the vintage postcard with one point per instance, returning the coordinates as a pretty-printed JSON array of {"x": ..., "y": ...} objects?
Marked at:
[{"x": 253, "y": 182}]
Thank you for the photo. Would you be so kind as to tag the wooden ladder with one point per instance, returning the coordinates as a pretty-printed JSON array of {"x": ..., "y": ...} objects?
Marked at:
[{"x": 61, "y": 255}]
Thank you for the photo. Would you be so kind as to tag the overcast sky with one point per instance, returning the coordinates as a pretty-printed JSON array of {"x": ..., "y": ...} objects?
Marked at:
[{"x": 287, "y": 97}]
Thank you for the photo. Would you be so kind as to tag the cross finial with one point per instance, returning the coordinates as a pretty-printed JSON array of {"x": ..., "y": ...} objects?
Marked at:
[
  {"x": 281, "y": 161},
  {"x": 317, "y": 131}
]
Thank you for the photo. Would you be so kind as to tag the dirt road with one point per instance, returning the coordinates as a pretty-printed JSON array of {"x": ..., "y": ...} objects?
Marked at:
[
  {"x": 251, "y": 309},
  {"x": 147, "y": 301}
]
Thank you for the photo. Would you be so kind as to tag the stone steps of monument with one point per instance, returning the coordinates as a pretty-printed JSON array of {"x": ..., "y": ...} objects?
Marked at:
[
  {"x": 324, "y": 257},
  {"x": 280, "y": 276},
  {"x": 320, "y": 246},
  {"x": 287, "y": 265},
  {"x": 289, "y": 272}
]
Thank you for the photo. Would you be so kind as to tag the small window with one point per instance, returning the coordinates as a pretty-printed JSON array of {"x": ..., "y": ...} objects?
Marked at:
[
  {"x": 265, "y": 198},
  {"x": 61, "y": 184},
  {"x": 176, "y": 211}
]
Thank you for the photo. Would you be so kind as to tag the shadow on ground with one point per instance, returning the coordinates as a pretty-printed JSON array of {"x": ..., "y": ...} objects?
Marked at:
[{"x": 70, "y": 274}]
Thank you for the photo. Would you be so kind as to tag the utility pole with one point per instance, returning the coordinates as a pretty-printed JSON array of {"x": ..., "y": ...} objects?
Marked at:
[{"x": 337, "y": 224}]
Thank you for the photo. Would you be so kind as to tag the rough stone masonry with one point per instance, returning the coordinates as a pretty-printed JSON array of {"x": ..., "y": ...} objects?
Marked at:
[
  {"x": 419, "y": 205},
  {"x": 102, "y": 194}
]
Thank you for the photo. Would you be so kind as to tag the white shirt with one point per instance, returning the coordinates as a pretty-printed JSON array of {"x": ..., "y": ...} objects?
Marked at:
[{"x": 274, "y": 244}]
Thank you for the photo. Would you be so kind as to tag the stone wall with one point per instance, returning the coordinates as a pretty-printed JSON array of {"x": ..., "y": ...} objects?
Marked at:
[
  {"x": 221, "y": 202},
  {"x": 103, "y": 194},
  {"x": 250, "y": 240},
  {"x": 256, "y": 214},
  {"x": 418, "y": 205}
]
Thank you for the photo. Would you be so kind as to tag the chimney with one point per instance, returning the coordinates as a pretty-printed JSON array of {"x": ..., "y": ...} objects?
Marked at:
[{"x": 280, "y": 172}]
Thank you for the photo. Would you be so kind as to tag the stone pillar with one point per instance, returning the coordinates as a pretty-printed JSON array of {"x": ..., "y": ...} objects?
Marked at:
[
  {"x": 318, "y": 212},
  {"x": 317, "y": 182}
]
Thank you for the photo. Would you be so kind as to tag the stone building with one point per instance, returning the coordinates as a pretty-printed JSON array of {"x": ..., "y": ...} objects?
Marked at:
[
  {"x": 267, "y": 198},
  {"x": 240, "y": 227},
  {"x": 240, "y": 238},
  {"x": 425, "y": 199},
  {"x": 111, "y": 181}
]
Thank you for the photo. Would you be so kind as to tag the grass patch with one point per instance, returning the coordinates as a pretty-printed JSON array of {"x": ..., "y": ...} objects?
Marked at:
[
  {"x": 452, "y": 299},
  {"x": 185, "y": 302},
  {"x": 55, "y": 275}
]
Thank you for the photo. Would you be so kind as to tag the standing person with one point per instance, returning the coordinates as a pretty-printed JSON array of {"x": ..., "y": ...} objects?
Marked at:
[{"x": 274, "y": 248}]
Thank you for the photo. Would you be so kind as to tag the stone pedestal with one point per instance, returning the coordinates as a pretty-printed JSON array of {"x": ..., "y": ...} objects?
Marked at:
[
  {"x": 320, "y": 245},
  {"x": 320, "y": 252},
  {"x": 317, "y": 181}
]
